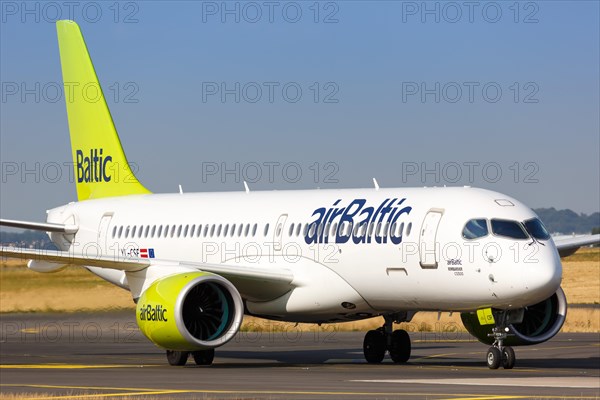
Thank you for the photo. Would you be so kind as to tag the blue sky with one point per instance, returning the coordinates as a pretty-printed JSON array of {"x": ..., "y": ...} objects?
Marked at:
[{"x": 502, "y": 95}]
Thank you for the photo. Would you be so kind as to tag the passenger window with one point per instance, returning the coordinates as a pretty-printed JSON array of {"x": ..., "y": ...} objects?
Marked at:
[
  {"x": 334, "y": 229},
  {"x": 313, "y": 228},
  {"x": 371, "y": 227},
  {"x": 291, "y": 232},
  {"x": 254, "y": 229},
  {"x": 114, "y": 232},
  {"x": 408, "y": 228},
  {"x": 363, "y": 229},
  {"x": 356, "y": 229},
  {"x": 536, "y": 228},
  {"x": 475, "y": 228},
  {"x": 510, "y": 229},
  {"x": 225, "y": 230},
  {"x": 266, "y": 229}
]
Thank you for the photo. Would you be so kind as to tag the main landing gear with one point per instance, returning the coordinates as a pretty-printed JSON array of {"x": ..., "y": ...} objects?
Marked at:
[
  {"x": 201, "y": 357},
  {"x": 378, "y": 341},
  {"x": 499, "y": 354}
]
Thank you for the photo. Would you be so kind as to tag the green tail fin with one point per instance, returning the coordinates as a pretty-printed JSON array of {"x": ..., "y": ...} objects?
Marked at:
[{"x": 101, "y": 168}]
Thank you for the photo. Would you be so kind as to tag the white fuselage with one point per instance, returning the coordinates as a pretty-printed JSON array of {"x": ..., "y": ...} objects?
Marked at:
[{"x": 410, "y": 254}]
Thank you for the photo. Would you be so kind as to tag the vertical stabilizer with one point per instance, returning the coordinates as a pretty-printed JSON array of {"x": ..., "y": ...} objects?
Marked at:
[{"x": 101, "y": 168}]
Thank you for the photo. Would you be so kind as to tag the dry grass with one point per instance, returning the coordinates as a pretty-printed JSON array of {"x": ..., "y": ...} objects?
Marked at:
[
  {"x": 581, "y": 276},
  {"x": 75, "y": 289}
]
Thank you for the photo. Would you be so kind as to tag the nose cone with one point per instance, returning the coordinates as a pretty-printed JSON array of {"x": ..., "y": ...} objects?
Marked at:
[{"x": 543, "y": 274}]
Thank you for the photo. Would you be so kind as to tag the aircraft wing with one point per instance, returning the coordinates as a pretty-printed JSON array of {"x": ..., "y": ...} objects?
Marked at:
[
  {"x": 66, "y": 258},
  {"x": 276, "y": 278},
  {"x": 40, "y": 226},
  {"x": 568, "y": 246}
]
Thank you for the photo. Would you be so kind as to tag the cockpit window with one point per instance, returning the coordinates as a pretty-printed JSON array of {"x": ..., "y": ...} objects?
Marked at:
[
  {"x": 536, "y": 229},
  {"x": 475, "y": 228},
  {"x": 511, "y": 229}
]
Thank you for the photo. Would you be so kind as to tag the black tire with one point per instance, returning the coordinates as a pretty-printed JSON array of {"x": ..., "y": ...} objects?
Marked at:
[
  {"x": 400, "y": 347},
  {"x": 493, "y": 358},
  {"x": 177, "y": 358},
  {"x": 204, "y": 357},
  {"x": 508, "y": 357},
  {"x": 374, "y": 347}
]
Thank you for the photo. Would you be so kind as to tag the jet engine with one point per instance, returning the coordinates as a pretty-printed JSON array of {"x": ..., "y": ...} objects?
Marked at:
[
  {"x": 190, "y": 311},
  {"x": 533, "y": 324}
]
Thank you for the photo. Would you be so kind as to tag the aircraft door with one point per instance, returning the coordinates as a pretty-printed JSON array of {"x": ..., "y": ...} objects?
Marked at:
[
  {"x": 428, "y": 249},
  {"x": 103, "y": 232},
  {"x": 278, "y": 233}
]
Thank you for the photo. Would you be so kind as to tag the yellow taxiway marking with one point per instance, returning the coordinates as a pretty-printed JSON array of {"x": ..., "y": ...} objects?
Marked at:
[
  {"x": 72, "y": 366},
  {"x": 79, "y": 396},
  {"x": 30, "y": 330},
  {"x": 155, "y": 391},
  {"x": 491, "y": 397}
]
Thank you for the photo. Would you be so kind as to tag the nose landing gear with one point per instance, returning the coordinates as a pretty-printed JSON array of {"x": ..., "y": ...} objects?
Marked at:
[
  {"x": 499, "y": 354},
  {"x": 378, "y": 341}
]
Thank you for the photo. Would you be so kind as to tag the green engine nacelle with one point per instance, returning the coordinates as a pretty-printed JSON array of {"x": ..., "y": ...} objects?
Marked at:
[
  {"x": 540, "y": 322},
  {"x": 190, "y": 311}
]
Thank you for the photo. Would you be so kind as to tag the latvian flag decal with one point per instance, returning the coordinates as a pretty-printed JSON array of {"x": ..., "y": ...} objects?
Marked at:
[{"x": 147, "y": 253}]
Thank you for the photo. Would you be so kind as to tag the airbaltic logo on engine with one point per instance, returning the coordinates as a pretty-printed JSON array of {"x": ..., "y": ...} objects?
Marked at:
[
  {"x": 358, "y": 222},
  {"x": 153, "y": 313},
  {"x": 92, "y": 168}
]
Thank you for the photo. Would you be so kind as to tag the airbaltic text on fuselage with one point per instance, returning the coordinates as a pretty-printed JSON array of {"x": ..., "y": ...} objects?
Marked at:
[
  {"x": 153, "y": 313},
  {"x": 92, "y": 168},
  {"x": 356, "y": 222}
]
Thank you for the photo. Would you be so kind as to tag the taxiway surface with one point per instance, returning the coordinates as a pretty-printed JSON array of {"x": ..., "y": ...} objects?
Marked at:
[{"x": 105, "y": 354}]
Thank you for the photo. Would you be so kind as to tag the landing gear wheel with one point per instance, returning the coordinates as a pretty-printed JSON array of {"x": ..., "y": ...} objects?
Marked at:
[
  {"x": 374, "y": 347},
  {"x": 204, "y": 357},
  {"x": 177, "y": 357},
  {"x": 508, "y": 357},
  {"x": 494, "y": 357},
  {"x": 400, "y": 346}
]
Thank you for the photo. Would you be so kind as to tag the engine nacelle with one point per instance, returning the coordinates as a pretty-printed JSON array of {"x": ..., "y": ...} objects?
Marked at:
[
  {"x": 540, "y": 322},
  {"x": 190, "y": 311}
]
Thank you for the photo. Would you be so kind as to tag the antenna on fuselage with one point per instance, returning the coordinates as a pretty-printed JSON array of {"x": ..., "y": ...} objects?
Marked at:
[
  {"x": 246, "y": 187},
  {"x": 376, "y": 184},
  {"x": 180, "y": 189}
]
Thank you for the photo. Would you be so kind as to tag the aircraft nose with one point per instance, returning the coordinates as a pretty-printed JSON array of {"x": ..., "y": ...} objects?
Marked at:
[{"x": 544, "y": 274}]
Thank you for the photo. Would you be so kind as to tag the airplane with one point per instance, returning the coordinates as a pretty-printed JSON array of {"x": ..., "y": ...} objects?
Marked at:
[{"x": 196, "y": 263}]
